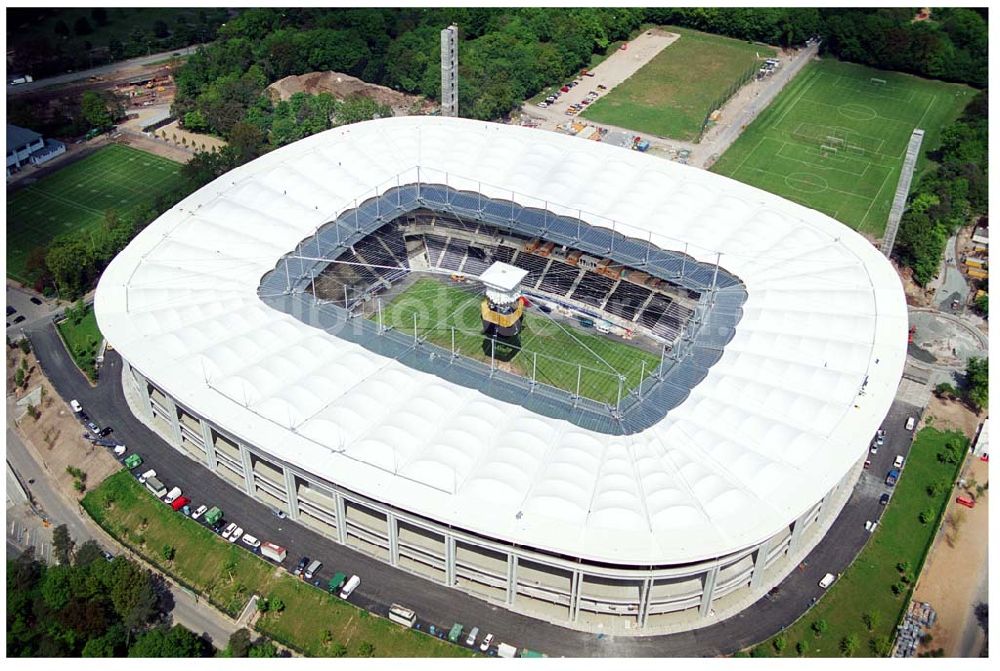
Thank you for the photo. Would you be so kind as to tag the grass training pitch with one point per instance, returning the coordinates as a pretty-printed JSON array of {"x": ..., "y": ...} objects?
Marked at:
[
  {"x": 671, "y": 95},
  {"x": 835, "y": 138},
  {"x": 77, "y": 196},
  {"x": 563, "y": 351}
]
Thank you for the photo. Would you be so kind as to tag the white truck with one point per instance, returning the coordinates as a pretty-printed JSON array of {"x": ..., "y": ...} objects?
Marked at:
[
  {"x": 273, "y": 552},
  {"x": 156, "y": 487}
]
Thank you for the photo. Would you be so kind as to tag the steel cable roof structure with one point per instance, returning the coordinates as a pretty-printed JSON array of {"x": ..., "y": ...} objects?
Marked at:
[{"x": 780, "y": 420}]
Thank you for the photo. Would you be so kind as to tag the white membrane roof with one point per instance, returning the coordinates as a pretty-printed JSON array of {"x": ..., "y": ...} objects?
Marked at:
[{"x": 774, "y": 426}]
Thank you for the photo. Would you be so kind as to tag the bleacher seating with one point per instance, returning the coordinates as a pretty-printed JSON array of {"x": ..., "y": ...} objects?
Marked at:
[
  {"x": 454, "y": 253},
  {"x": 435, "y": 250},
  {"x": 559, "y": 278},
  {"x": 380, "y": 259},
  {"x": 477, "y": 261},
  {"x": 503, "y": 254},
  {"x": 626, "y": 300},
  {"x": 593, "y": 289},
  {"x": 393, "y": 240},
  {"x": 535, "y": 265}
]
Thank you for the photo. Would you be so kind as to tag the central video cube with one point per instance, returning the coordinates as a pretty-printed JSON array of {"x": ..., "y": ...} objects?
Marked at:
[{"x": 502, "y": 310}]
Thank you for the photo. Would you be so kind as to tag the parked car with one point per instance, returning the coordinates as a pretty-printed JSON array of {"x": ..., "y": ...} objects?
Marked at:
[
  {"x": 146, "y": 476},
  {"x": 251, "y": 541},
  {"x": 868, "y": 463},
  {"x": 280, "y": 514},
  {"x": 471, "y": 639},
  {"x": 199, "y": 512},
  {"x": 487, "y": 642},
  {"x": 303, "y": 562},
  {"x": 543, "y": 104},
  {"x": 827, "y": 580},
  {"x": 898, "y": 463},
  {"x": 312, "y": 569},
  {"x": 11, "y": 310},
  {"x": 107, "y": 555},
  {"x": 230, "y": 528},
  {"x": 106, "y": 431},
  {"x": 910, "y": 423},
  {"x": 94, "y": 429},
  {"x": 219, "y": 525},
  {"x": 75, "y": 405},
  {"x": 18, "y": 319},
  {"x": 180, "y": 502},
  {"x": 884, "y": 499},
  {"x": 172, "y": 495},
  {"x": 235, "y": 536},
  {"x": 874, "y": 448},
  {"x": 36, "y": 300}
]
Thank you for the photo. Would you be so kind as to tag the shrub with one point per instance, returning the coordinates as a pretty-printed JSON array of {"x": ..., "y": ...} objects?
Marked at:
[
  {"x": 881, "y": 646},
  {"x": 79, "y": 486},
  {"x": 277, "y": 605},
  {"x": 820, "y": 626},
  {"x": 338, "y": 650},
  {"x": 19, "y": 377},
  {"x": 800, "y": 648},
  {"x": 927, "y": 516},
  {"x": 871, "y": 619},
  {"x": 366, "y": 649},
  {"x": 263, "y": 605},
  {"x": 25, "y": 346},
  {"x": 849, "y": 645},
  {"x": 168, "y": 552},
  {"x": 780, "y": 643}
]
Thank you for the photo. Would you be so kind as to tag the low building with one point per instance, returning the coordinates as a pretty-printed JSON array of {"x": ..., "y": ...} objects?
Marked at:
[{"x": 25, "y": 146}]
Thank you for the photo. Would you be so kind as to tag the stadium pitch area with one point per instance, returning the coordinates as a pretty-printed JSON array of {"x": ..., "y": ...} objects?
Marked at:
[
  {"x": 77, "y": 196},
  {"x": 672, "y": 94},
  {"x": 558, "y": 351},
  {"x": 835, "y": 138}
]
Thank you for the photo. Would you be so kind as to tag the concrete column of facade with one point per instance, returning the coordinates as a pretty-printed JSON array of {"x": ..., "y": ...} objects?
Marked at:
[
  {"x": 798, "y": 528},
  {"x": 393, "y": 536},
  {"x": 175, "y": 422},
  {"x": 760, "y": 562},
  {"x": 291, "y": 493},
  {"x": 511, "y": 578},
  {"x": 247, "y": 470},
  {"x": 341, "y": 518},
  {"x": 449, "y": 561},
  {"x": 206, "y": 435},
  {"x": 644, "y": 599},
  {"x": 147, "y": 402},
  {"x": 706, "y": 594},
  {"x": 575, "y": 590}
]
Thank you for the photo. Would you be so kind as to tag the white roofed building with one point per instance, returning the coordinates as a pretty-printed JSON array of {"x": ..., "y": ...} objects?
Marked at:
[{"x": 644, "y": 518}]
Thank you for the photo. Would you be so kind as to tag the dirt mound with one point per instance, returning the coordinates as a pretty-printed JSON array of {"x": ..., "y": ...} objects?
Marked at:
[{"x": 344, "y": 86}]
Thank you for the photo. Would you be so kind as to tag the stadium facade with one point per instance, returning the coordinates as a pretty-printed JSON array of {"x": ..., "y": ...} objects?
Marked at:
[{"x": 674, "y": 507}]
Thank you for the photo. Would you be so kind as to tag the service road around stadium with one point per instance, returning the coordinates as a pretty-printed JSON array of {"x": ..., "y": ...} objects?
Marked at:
[{"x": 670, "y": 528}]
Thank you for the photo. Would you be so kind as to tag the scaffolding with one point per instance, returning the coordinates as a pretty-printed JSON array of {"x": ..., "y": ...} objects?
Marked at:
[{"x": 902, "y": 191}]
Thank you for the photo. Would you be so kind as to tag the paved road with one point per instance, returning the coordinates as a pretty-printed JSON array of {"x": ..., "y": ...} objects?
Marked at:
[
  {"x": 197, "y": 616},
  {"x": 382, "y": 585},
  {"x": 18, "y": 89}
]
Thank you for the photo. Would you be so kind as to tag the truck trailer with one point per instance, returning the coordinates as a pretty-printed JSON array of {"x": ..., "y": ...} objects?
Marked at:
[{"x": 273, "y": 552}]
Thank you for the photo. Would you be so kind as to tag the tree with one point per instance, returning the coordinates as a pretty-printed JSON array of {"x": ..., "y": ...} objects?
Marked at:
[
  {"x": 19, "y": 378},
  {"x": 780, "y": 642},
  {"x": 95, "y": 110},
  {"x": 168, "y": 552},
  {"x": 977, "y": 373},
  {"x": 239, "y": 643},
  {"x": 983, "y": 304},
  {"x": 25, "y": 345},
  {"x": 88, "y": 552},
  {"x": 800, "y": 648},
  {"x": 945, "y": 390},
  {"x": 82, "y": 26},
  {"x": 849, "y": 645},
  {"x": 881, "y": 646},
  {"x": 338, "y": 650},
  {"x": 62, "y": 544},
  {"x": 819, "y": 627},
  {"x": 133, "y": 595},
  {"x": 366, "y": 649},
  {"x": 277, "y": 605},
  {"x": 928, "y": 515},
  {"x": 871, "y": 619},
  {"x": 263, "y": 648},
  {"x": 160, "y": 29},
  {"x": 176, "y": 641}
]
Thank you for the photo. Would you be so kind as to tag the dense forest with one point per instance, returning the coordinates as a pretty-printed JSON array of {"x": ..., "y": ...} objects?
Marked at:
[
  {"x": 947, "y": 198},
  {"x": 87, "y": 606}
]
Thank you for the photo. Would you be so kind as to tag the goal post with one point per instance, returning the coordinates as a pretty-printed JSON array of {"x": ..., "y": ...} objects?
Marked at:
[{"x": 875, "y": 81}]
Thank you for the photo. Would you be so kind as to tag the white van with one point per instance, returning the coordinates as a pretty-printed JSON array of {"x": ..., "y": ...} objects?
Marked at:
[
  {"x": 827, "y": 580},
  {"x": 312, "y": 569},
  {"x": 910, "y": 423},
  {"x": 173, "y": 495},
  {"x": 351, "y": 585},
  {"x": 471, "y": 640}
]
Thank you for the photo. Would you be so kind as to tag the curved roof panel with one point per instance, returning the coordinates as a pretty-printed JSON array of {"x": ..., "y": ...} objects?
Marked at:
[{"x": 780, "y": 418}]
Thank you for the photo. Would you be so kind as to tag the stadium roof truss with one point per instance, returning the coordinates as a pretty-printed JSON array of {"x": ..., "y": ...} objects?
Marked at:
[
  {"x": 287, "y": 288},
  {"x": 798, "y": 359}
]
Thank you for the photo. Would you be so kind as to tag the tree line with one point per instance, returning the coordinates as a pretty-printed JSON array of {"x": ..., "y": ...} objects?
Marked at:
[
  {"x": 509, "y": 54},
  {"x": 946, "y": 198}
]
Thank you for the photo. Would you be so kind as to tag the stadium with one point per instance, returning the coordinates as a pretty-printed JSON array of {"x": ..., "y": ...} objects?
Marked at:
[{"x": 576, "y": 381}]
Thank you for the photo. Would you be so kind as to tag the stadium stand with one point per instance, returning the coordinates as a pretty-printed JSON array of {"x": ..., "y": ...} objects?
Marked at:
[
  {"x": 559, "y": 278},
  {"x": 626, "y": 300},
  {"x": 593, "y": 289}
]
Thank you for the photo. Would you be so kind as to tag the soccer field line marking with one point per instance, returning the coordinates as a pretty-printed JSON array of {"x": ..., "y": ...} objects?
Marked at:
[
  {"x": 927, "y": 109},
  {"x": 62, "y": 200},
  {"x": 747, "y": 157},
  {"x": 782, "y": 177},
  {"x": 797, "y": 99},
  {"x": 875, "y": 198},
  {"x": 820, "y": 166}
]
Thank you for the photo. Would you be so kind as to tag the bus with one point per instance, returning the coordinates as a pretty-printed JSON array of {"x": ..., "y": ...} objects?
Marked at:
[{"x": 402, "y": 615}]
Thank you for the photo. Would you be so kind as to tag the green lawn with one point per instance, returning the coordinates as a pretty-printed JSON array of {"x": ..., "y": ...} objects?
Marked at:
[
  {"x": 561, "y": 348},
  {"x": 82, "y": 339},
  {"x": 672, "y": 94},
  {"x": 866, "y": 586},
  {"x": 228, "y": 574},
  {"x": 77, "y": 196},
  {"x": 834, "y": 139}
]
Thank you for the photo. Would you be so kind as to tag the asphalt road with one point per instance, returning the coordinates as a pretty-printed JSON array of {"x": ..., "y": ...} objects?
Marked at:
[
  {"x": 18, "y": 89},
  {"x": 199, "y": 617},
  {"x": 382, "y": 585}
]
